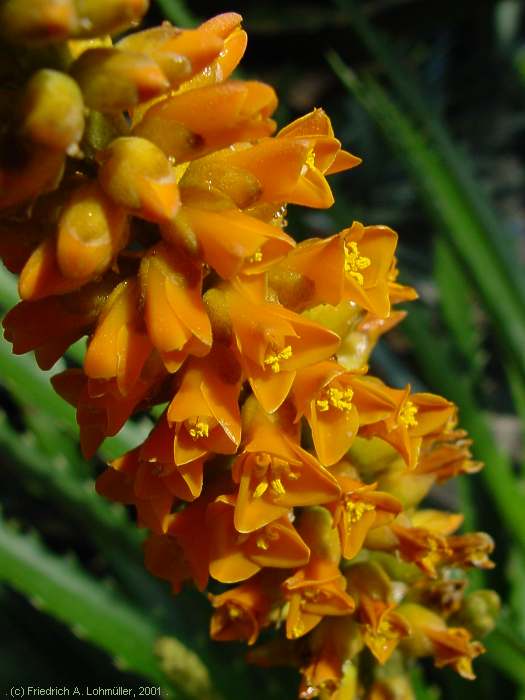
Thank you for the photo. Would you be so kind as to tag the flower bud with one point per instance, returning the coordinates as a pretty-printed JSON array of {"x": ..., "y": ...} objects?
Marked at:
[
  {"x": 26, "y": 173},
  {"x": 113, "y": 80},
  {"x": 91, "y": 232},
  {"x": 137, "y": 175},
  {"x": 316, "y": 528},
  {"x": 479, "y": 612},
  {"x": 95, "y": 17},
  {"x": 37, "y": 20},
  {"x": 52, "y": 111}
]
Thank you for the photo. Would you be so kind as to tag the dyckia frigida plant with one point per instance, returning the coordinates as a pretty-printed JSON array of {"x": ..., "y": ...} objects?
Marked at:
[{"x": 143, "y": 205}]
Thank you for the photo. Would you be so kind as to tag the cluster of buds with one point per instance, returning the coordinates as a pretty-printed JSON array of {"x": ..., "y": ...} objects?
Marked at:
[{"x": 143, "y": 201}]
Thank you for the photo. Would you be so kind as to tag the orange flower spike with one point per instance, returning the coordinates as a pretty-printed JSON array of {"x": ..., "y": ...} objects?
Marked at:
[
  {"x": 353, "y": 265},
  {"x": 205, "y": 409},
  {"x": 174, "y": 313},
  {"x": 360, "y": 509},
  {"x": 119, "y": 346},
  {"x": 113, "y": 80},
  {"x": 235, "y": 557},
  {"x": 189, "y": 124},
  {"x": 274, "y": 473},
  {"x": 137, "y": 175},
  {"x": 274, "y": 343},
  {"x": 240, "y": 613},
  {"x": 417, "y": 416},
  {"x": 318, "y": 589},
  {"x": 245, "y": 244},
  {"x": 185, "y": 482},
  {"x": 92, "y": 230}
]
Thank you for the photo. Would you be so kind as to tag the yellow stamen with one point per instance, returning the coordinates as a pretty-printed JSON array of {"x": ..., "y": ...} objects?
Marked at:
[
  {"x": 256, "y": 257},
  {"x": 310, "y": 158},
  {"x": 341, "y": 399},
  {"x": 199, "y": 429},
  {"x": 354, "y": 262},
  {"x": 277, "y": 486},
  {"x": 274, "y": 359},
  {"x": 407, "y": 415},
  {"x": 262, "y": 542},
  {"x": 261, "y": 489},
  {"x": 356, "y": 510}
]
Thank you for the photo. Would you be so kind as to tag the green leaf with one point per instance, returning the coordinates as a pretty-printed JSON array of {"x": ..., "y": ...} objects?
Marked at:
[
  {"x": 62, "y": 589},
  {"x": 177, "y": 13},
  {"x": 446, "y": 201}
]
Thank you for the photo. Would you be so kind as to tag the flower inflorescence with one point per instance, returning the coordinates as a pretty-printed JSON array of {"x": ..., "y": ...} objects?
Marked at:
[{"x": 145, "y": 209}]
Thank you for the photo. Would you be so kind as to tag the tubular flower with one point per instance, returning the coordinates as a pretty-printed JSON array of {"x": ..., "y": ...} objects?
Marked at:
[{"x": 143, "y": 199}]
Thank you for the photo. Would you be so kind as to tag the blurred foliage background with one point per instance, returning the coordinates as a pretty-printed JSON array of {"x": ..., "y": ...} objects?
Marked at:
[{"x": 432, "y": 96}]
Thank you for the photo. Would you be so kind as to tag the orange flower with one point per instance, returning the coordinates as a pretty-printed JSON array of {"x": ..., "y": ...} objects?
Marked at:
[
  {"x": 335, "y": 403},
  {"x": 205, "y": 409},
  {"x": 49, "y": 326},
  {"x": 174, "y": 313},
  {"x": 353, "y": 265},
  {"x": 471, "y": 549},
  {"x": 445, "y": 460},
  {"x": 188, "y": 125},
  {"x": 288, "y": 168},
  {"x": 274, "y": 343},
  {"x": 452, "y": 647},
  {"x": 235, "y": 556},
  {"x": 102, "y": 409},
  {"x": 229, "y": 241},
  {"x": 417, "y": 416},
  {"x": 119, "y": 346},
  {"x": 360, "y": 509},
  {"x": 313, "y": 592},
  {"x": 275, "y": 474},
  {"x": 383, "y": 627},
  {"x": 158, "y": 452},
  {"x": 131, "y": 482},
  {"x": 241, "y": 612},
  {"x": 419, "y": 545}
]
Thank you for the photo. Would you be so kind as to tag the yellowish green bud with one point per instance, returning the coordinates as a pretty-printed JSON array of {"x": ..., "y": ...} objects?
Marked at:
[
  {"x": 52, "y": 111},
  {"x": 113, "y": 80}
]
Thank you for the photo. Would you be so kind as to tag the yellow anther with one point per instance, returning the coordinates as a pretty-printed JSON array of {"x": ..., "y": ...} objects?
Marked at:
[
  {"x": 261, "y": 489},
  {"x": 356, "y": 510},
  {"x": 354, "y": 262},
  {"x": 199, "y": 429},
  {"x": 407, "y": 414},
  {"x": 256, "y": 257},
  {"x": 234, "y": 612},
  {"x": 274, "y": 359},
  {"x": 262, "y": 542},
  {"x": 341, "y": 399},
  {"x": 310, "y": 158},
  {"x": 277, "y": 487}
]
